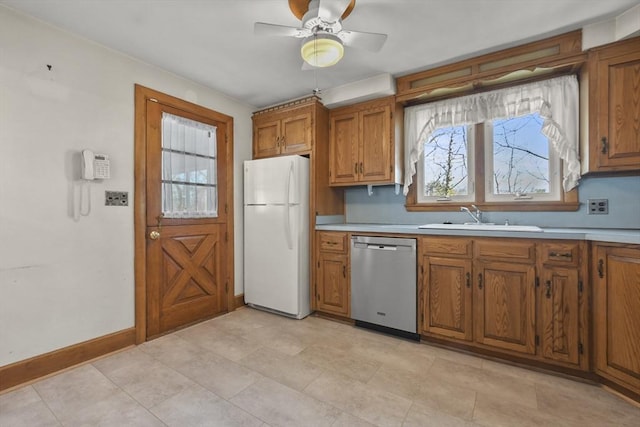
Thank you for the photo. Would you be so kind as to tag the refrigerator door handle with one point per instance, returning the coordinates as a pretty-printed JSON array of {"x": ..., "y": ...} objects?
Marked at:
[{"x": 287, "y": 225}]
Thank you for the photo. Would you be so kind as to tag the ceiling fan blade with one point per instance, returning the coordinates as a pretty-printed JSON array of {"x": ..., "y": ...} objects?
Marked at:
[
  {"x": 332, "y": 10},
  {"x": 362, "y": 40},
  {"x": 264, "y": 29}
]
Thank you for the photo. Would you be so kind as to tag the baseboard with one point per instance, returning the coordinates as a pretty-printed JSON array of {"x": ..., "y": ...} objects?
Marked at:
[
  {"x": 238, "y": 301},
  {"x": 30, "y": 369}
]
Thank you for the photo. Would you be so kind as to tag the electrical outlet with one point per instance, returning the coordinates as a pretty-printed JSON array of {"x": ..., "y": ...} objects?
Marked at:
[
  {"x": 116, "y": 198},
  {"x": 598, "y": 206}
]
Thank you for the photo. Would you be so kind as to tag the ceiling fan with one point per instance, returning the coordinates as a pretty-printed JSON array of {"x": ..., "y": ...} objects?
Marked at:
[{"x": 321, "y": 31}]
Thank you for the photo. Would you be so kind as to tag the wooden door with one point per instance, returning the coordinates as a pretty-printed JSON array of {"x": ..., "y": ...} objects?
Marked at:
[
  {"x": 505, "y": 305},
  {"x": 375, "y": 145},
  {"x": 185, "y": 257},
  {"x": 333, "y": 286},
  {"x": 616, "y": 281},
  {"x": 447, "y": 297},
  {"x": 266, "y": 138},
  {"x": 560, "y": 317},
  {"x": 343, "y": 149},
  {"x": 618, "y": 146},
  {"x": 296, "y": 133}
]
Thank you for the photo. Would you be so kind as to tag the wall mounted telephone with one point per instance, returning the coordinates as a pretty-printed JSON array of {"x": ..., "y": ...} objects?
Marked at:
[{"x": 95, "y": 166}]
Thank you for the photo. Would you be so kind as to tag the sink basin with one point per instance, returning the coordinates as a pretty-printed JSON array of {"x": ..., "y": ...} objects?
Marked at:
[{"x": 483, "y": 227}]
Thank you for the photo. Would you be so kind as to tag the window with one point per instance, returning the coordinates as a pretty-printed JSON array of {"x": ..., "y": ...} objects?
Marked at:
[
  {"x": 446, "y": 168},
  {"x": 512, "y": 147},
  {"x": 188, "y": 168},
  {"x": 519, "y": 163}
]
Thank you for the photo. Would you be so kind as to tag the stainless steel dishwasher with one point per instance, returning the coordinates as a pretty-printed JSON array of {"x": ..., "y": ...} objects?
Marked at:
[{"x": 383, "y": 284}]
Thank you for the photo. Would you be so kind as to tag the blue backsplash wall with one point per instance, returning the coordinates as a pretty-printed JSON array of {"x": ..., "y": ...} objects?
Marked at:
[{"x": 385, "y": 207}]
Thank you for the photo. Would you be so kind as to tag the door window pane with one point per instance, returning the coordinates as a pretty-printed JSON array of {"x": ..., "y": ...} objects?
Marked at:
[{"x": 189, "y": 178}]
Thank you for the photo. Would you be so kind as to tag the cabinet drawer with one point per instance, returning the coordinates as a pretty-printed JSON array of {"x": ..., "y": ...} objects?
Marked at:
[
  {"x": 565, "y": 253},
  {"x": 504, "y": 249},
  {"x": 447, "y": 246},
  {"x": 334, "y": 242}
]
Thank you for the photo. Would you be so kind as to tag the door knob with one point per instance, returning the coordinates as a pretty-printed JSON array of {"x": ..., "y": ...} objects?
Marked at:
[{"x": 154, "y": 235}]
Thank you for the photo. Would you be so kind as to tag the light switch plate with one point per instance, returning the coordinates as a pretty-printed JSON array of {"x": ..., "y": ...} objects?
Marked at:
[
  {"x": 116, "y": 198},
  {"x": 598, "y": 206}
]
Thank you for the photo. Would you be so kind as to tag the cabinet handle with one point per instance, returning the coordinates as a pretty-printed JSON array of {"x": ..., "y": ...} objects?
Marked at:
[
  {"x": 468, "y": 279},
  {"x": 361, "y": 169},
  {"x": 601, "y": 268},
  {"x": 344, "y": 271},
  {"x": 277, "y": 141},
  {"x": 548, "y": 290},
  {"x": 604, "y": 145},
  {"x": 560, "y": 254},
  {"x": 355, "y": 168},
  {"x": 480, "y": 281}
]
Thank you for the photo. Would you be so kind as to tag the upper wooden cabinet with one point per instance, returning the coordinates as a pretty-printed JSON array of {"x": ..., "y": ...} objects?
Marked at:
[
  {"x": 616, "y": 284},
  {"x": 614, "y": 107},
  {"x": 361, "y": 143},
  {"x": 283, "y": 131}
]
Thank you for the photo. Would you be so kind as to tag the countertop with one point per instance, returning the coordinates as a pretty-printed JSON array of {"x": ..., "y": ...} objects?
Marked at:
[{"x": 591, "y": 234}]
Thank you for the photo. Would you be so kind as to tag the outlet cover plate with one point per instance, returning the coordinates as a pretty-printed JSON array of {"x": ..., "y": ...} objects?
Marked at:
[
  {"x": 598, "y": 206},
  {"x": 116, "y": 198}
]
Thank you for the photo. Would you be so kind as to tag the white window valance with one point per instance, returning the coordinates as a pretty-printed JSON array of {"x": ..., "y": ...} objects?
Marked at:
[{"x": 556, "y": 100}]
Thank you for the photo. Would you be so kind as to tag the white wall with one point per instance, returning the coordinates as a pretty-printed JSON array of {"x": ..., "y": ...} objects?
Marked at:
[{"x": 64, "y": 281}]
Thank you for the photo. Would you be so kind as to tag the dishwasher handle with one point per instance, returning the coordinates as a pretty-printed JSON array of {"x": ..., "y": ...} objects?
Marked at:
[
  {"x": 375, "y": 246},
  {"x": 382, "y": 247}
]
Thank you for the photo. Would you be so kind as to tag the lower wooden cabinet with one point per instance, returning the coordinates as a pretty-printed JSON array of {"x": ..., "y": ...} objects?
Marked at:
[
  {"x": 505, "y": 306},
  {"x": 332, "y": 287},
  {"x": 616, "y": 284},
  {"x": 520, "y": 297},
  {"x": 563, "y": 302}
]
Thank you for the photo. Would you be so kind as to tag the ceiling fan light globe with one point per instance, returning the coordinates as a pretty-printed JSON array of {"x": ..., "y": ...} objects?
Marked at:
[{"x": 322, "y": 50}]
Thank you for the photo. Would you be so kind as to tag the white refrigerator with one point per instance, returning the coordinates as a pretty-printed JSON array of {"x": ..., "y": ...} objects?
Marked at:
[{"x": 276, "y": 235}]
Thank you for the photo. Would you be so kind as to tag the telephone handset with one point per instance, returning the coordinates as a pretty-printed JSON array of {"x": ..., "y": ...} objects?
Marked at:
[{"x": 95, "y": 166}]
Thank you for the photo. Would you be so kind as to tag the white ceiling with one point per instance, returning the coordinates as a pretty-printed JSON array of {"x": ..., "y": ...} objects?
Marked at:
[{"x": 212, "y": 41}]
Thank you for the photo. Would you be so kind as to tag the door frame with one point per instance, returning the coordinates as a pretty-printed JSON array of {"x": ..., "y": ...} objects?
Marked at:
[{"x": 142, "y": 95}]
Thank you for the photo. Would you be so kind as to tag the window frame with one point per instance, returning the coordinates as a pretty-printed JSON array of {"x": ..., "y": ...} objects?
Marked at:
[{"x": 568, "y": 199}]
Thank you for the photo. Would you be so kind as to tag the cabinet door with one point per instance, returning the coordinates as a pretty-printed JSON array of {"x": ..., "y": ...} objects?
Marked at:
[
  {"x": 375, "y": 152},
  {"x": 559, "y": 308},
  {"x": 447, "y": 297},
  {"x": 343, "y": 149},
  {"x": 266, "y": 138},
  {"x": 618, "y": 138},
  {"x": 333, "y": 285},
  {"x": 616, "y": 281},
  {"x": 505, "y": 305},
  {"x": 296, "y": 133}
]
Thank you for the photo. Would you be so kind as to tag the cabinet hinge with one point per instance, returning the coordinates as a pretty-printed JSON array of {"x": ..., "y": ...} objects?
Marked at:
[
  {"x": 226, "y": 138},
  {"x": 226, "y": 287},
  {"x": 422, "y": 317},
  {"x": 537, "y": 282},
  {"x": 580, "y": 348},
  {"x": 226, "y": 208},
  {"x": 226, "y": 236},
  {"x": 318, "y": 296},
  {"x": 537, "y": 339},
  {"x": 318, "y": 264},
  {"x": 422, "y": 269},
  {"x": 580, "y": 286}
]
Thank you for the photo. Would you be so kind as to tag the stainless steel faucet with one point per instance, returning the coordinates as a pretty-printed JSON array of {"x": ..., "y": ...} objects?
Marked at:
[{"x": 477, "y": 216}]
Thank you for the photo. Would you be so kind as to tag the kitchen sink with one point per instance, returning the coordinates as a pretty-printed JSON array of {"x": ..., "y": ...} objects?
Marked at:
[{"x": 483, "y": 227}]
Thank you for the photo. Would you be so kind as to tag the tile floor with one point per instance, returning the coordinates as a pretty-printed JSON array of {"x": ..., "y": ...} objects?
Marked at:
[{"x": 251, "y": 368}]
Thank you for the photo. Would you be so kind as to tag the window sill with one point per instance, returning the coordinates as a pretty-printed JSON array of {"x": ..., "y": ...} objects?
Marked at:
[{"x": 528, "y": 206}]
